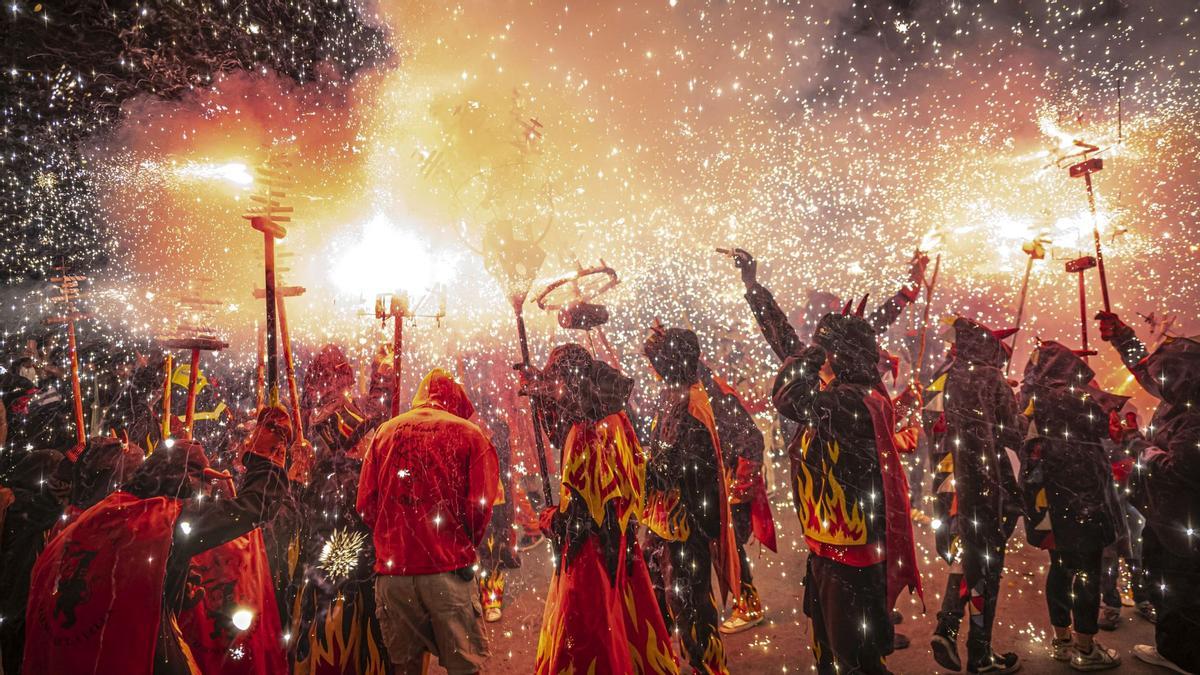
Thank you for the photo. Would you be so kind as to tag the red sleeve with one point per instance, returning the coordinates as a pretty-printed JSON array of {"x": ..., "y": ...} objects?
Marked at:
[
  {"x": 483, "y": 480},
  {"x": 367, "y": 502}
]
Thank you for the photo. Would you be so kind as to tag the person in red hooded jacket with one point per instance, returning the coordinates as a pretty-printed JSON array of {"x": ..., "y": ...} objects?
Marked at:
[{"x": 426, "y": 492}]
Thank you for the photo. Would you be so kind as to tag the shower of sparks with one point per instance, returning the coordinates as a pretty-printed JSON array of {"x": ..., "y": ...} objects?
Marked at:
[
  {"x": 339, "y": 555},
  {"x": 828, "y": 137}
]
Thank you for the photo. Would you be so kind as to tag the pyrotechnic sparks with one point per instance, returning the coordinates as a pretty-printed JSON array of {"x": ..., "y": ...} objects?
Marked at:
[
  {"x": 339, "y": 555},
  {"x": 233, "y": 172}
]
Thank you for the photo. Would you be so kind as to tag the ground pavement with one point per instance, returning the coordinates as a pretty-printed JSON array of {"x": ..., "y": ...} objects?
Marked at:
[{"x": 781, "y": 644}]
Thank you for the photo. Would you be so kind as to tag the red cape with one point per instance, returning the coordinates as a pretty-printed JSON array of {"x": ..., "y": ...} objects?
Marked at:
[
  {"x": 594, "y": 624},
  {"x": 233, "y": 577},
  {"x": 95, "y": 598},
  {"x": 902, "y": 571},
  {"x": 725, "y": 554}
]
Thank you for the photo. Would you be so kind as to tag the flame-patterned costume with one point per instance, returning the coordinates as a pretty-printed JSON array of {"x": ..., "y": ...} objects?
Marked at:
[
  {"x": 687, "y": 503},
  {"x": 742, "y": 448},
  {"x": 849, "y": 486},
  {"x": 600, "y": 615},
  {"x": 333, "y": 623}
]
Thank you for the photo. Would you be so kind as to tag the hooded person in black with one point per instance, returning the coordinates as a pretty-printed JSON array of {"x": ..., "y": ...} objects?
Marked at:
[
  {"x": 38, "y": 482},
  {"x": 1070, "y": 502},
  {"x": 105, "y": 465},
  {"x": 687, "y": 503},
  {"x": 848, "y": 483},
  {"x": 981, "y": 420},
  {"x": 1167, "y": 491}
]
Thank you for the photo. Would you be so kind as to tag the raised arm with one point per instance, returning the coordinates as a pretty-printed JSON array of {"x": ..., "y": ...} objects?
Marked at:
[
  {"x": 887, "y": 313},
  {"x": 771, "y": 319},
  {"x": 1122, "y": 337}
]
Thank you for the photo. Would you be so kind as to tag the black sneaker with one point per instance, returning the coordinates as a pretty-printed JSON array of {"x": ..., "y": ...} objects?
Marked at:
[
  {"x": 897, "y": 617},
  {"x": 945, "y": 652},
  {"x": 996, "y": 664},
  {"x": 900, "y": 641}
]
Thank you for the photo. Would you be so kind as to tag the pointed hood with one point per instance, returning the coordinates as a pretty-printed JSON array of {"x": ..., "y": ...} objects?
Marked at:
[
  {"x": 1056, "y": 366},
  {"x": 979, "y": 344},
  {"x": 674, "y": 353},
  {"x": 439, "y": 390},
  {"x": 588, "y": 389},
  {"x": 851, "y": 345},
  {"x": 1172, "y": 372},
  {"x": 107, "y": 463}
]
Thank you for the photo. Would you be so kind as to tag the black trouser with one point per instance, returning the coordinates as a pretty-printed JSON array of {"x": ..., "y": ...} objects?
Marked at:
[
  {"x": 852, "y": 625},
  {"x": 982, "y": 564},
  {"x": 1109, "y": 593},
  {"x": 1073, "y": 589},
  {"x": 683, "y": 587},
  {"x": 1174, "y": 585},
  {"x": 742, "y": 528},
  {"x": 954, "y": 603}
]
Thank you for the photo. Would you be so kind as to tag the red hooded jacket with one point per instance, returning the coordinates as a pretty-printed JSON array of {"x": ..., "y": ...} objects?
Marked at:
[{"x": 428, "y": 483}]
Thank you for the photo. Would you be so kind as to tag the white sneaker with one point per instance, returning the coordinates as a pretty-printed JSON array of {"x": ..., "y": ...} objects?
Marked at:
[
  {"x": 491, "y": 614},
  {"x": 1099, "y": 658},
  {"x": 1149, "y": 654},
  {"x": 1061, "y": 650}
]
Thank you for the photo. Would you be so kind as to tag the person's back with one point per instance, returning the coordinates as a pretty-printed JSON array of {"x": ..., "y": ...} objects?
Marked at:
[
  {"x": 426, "y": 492},
  {"x": 424, "y": 522}
]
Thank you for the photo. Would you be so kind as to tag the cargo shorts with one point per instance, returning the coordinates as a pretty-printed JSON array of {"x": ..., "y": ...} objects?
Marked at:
[{"x": 438, "y": 614}]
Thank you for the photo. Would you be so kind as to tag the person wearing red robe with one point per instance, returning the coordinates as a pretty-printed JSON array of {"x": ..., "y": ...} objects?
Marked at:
[
  {"x": 601, "y": 615},
  {"x": 106, "y": 593}
]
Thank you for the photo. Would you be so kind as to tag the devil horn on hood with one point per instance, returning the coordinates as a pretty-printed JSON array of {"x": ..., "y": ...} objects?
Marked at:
[
  {"x": 846, "y": 307},
  {"x": 1004, "y": 333},
  {"x": 862, "y": 305}
]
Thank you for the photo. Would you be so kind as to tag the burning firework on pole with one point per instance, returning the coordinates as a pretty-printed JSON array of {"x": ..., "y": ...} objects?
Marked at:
[
  {"x": 68, "y": 286},
  {"x": 395, "y": 306},
  {"x": 289, "y": 365},
  {"x": 1085, "y": 169},
  {"x": 1034, "y": 250},
  {"x": 194, "y": 333},
  {"x": 266, "y": 218}
]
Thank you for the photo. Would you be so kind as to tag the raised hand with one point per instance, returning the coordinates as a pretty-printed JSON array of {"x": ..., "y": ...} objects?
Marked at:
[
  {"x": 916, "y": 269},
  {"x": 1110, "y": 325},
  {"x": 747, "y": 264}
]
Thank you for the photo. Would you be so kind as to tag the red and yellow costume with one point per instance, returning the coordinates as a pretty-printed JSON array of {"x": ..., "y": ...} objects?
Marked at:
[{"x": 601, "y": 615}]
